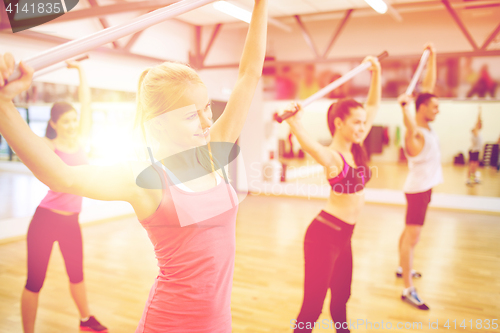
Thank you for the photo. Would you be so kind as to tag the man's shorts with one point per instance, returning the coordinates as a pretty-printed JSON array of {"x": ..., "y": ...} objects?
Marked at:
[
  {"x": 417, "y": 207},
  {"x": 473, "y": 156}
]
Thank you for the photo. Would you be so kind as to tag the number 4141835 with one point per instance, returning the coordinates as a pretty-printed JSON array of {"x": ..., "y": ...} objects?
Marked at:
[
  {"x": 40, "y": 8},
  {"x": 479, "y": 324}
]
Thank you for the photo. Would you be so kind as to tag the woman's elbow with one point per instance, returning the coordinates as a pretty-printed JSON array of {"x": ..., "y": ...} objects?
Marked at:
[{"x": 252, "y": 74}]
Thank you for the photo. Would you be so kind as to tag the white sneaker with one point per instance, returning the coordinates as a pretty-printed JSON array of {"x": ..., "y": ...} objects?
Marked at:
[
  {"x": 410, "y": 296},
  {"x": 414, "y": 273}
]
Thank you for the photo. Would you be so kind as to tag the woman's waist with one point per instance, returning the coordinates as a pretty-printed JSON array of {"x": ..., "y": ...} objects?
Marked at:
[
  {"x": 329, "y": 229},
  {"x": 345, "y": 207},
  {"x": 170, "y": 301},
  {"x": 209, "y": 289},
  {"x": 65, "y": 202},
  {"x": 196, "y": 267},
  {"x": 62, "y": 212},
  {"x": 167, "y": 312}
]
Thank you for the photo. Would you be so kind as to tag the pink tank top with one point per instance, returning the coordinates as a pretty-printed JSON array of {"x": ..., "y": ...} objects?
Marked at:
[
  {"x": 193, "y": 234},
  {"x": 65, "y": 201}
]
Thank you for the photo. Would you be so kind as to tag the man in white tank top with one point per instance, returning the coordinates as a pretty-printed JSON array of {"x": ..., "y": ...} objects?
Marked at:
[{"x": 424, "y": 162}]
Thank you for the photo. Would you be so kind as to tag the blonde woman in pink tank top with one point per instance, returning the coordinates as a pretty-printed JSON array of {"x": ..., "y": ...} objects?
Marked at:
[{"x": 182, "y": 197}]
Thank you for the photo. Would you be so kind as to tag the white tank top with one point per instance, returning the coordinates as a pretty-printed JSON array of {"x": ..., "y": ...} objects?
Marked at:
[
  {"x": 476, "y": 142},
  {"x": 425, "y": 168}
]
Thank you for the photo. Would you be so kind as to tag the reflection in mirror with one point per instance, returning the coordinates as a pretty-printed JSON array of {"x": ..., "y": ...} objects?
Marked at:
[{"x": 454, "y": 125}]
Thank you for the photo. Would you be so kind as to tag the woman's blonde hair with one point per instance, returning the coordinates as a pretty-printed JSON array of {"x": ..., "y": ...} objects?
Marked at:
[
  {"x": 162, "y": 86},
  {"x": 159, "y": 88}
]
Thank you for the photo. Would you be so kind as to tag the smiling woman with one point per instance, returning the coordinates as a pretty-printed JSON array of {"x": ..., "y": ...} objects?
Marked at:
[
  {"x": 57, "y": 215},
  {"x": 63, "y": 121},
  {"x": 177, "y": 121},
  {"x": 327, "y": 244}
]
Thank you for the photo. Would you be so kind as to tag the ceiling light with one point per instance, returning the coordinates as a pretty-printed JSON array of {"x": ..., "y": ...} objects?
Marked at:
[
  {"x": 234, "y": 11},
  {"x": 378, "y": 5}
]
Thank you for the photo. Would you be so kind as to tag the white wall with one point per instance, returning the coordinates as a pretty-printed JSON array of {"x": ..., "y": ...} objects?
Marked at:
[
  {"x": 219, "y": 82},
  {"x": 252, "y": 140},
  {"x": 227, "y": 47},
  {"x": 168, "y": 40},
  {"x": 453, "y": 125}
]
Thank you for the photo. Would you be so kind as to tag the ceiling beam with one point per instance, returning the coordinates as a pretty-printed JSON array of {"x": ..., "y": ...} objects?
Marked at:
[
  {"x": 307, "y": 36},
  {"x": 460, "y": 24},
  {"x": 336, "y": 34},
  {"x": 394, "y": 13},
  {"x": 480, "y": 6},
  {"x": 490, "y": 38},
  {"x": 123, "y": 7},
  {"x": 132, "y": 41},
  {"x": 103, "y": 21},
  {"x": 198, "y": 55},
  {"x": 211, "y": 42},
  {"x": 195, "y": 59}
]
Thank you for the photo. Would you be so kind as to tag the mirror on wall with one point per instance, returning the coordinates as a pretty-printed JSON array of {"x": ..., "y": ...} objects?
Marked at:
[
  {"x": 461, "y": 77},
  {"x": 464, "y": 85},
  {"x": 384, "y": 145}
]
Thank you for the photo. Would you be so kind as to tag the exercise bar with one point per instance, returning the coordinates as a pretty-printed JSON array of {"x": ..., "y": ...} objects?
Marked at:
[
  {"x": 335, "y": 84},
  {"x": 85, "y": 44},
  {"x": 418, "y": 72},
  {"x": 56, "y": 67}
]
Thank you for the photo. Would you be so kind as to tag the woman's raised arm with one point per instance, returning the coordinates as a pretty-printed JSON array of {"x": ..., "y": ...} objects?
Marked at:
[
  {"x": 228, "y": 127},
  {"x": 323, "y": 155},
  {"x": 429, "y": 81},
  {"x": 85, "y": 99},
  {"x": 372, "y": 104},
  {"x": 479, "y": 123}
]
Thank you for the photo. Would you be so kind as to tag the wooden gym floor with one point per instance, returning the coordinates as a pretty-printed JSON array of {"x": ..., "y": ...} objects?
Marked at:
[{"x": 458, "y": 254}]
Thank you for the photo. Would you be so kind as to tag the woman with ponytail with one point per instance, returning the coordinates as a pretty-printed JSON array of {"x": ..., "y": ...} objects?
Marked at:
[
  {"x": 187, "y": 208},
  {"x": 327, "y": 244},
  {"x": 56, "y": 217}
]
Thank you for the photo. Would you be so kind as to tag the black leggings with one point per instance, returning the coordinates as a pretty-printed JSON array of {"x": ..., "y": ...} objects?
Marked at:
[
  {"x": 328, "y": 264},
  {"x": 45, "y": 228}
]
